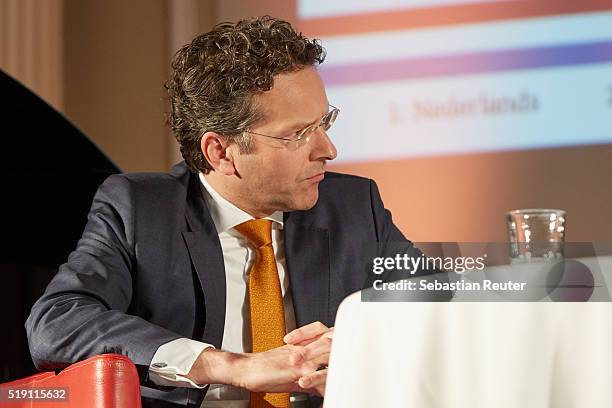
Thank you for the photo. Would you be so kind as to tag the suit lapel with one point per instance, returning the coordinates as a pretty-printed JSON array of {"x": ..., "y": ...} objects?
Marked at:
[
  {"x": 307, "y": 256},
  {"x": 204, "y": 248}
]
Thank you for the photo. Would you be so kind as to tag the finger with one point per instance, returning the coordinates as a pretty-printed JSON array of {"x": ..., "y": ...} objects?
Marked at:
[
  {"x": 305, "y": 332},
  {"x": 329, "y": 334},
  {"x": 318, "y": 347},
  {"x": 313, "y": 380},
  {"x": 305, "y": 342},
  {"x": 315, "y": 364}
]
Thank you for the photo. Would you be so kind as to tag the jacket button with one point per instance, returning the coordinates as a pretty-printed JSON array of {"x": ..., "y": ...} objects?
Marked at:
[{"x": 159, "y": 365}]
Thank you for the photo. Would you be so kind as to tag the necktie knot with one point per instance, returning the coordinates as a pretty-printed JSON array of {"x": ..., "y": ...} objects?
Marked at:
[{"x": 257, "y": 232}]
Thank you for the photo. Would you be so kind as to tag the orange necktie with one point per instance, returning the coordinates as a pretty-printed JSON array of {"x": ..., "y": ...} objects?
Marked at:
[{"x": 266, "y": 303}]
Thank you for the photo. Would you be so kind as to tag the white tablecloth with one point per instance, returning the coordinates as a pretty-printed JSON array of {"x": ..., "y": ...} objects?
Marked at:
[{"x": 469, "y": 355}]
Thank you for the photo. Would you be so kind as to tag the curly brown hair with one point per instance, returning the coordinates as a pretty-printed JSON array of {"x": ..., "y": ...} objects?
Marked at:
[{"x": 215, "y": 77}]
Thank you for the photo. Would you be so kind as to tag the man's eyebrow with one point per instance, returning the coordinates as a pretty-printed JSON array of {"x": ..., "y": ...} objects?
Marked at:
[
  {"x": 301, "y": 125},
  {"x": 298, "y": 126}
]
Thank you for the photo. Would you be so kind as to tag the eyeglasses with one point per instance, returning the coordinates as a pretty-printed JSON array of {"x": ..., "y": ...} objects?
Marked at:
[{"x": 301, "y": 137}]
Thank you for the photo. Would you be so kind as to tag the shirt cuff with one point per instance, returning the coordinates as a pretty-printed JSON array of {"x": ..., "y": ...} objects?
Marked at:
[{"x": 173, "y": 360}]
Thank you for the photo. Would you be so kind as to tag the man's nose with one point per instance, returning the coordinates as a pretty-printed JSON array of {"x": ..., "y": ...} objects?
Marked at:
[{"x": 323, "y": 147}]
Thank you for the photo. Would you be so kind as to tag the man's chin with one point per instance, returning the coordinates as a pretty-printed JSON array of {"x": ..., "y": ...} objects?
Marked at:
[{"x": 306, "y": 203}]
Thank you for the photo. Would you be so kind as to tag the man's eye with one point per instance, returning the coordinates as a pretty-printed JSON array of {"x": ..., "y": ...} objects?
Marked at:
[{"x": 297, "y": 135}]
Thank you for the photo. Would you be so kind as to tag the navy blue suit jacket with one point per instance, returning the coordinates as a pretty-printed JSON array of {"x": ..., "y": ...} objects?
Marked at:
[{"x": 149, "y": 269}]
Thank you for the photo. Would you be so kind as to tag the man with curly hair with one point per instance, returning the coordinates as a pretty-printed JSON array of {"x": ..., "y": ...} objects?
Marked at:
[{"x": 222, "y": 278}]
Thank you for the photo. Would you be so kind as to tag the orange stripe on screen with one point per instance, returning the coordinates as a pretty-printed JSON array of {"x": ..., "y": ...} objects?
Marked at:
[{"x": 445, "y": 15}]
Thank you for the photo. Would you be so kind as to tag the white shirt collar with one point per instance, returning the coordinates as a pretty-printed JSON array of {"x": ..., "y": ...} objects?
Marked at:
[{"x": 226, "y": 215}]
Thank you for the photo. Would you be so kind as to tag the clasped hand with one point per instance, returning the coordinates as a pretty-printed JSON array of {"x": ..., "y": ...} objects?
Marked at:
[
  {"x": 316, "y": 340},
  {"x": 298, "y": 366}
]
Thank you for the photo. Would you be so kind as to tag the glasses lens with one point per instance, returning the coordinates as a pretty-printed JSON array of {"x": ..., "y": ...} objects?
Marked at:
[
  {"x": 303, "y": 136},
  {"x": 329, "y": 119},
  {"x": 304, "y": 133}
]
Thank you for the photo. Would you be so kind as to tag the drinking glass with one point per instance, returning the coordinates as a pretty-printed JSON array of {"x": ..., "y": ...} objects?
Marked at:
[{"x": 536, "y": 234}]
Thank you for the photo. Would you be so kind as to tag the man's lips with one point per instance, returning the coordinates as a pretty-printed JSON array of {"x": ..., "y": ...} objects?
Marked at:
[{"x": 317, "y": 177}]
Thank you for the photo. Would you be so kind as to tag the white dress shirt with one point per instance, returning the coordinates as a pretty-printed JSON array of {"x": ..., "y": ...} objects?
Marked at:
[{"x": 173, "y": 360}]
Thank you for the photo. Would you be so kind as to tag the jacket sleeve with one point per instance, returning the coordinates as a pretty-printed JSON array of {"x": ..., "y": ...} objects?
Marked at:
[
  {"x": 83, "y": 310},
  {"x": 385, "y": 228},
  {"x": 391, "y": 241}
]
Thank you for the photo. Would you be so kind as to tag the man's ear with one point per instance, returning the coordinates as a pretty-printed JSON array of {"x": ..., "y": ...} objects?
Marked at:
[{"x": 215, "y": 149}]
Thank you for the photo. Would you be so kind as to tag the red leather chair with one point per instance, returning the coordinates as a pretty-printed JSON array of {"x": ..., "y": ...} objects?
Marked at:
[{"x": 103, "y": 381}]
